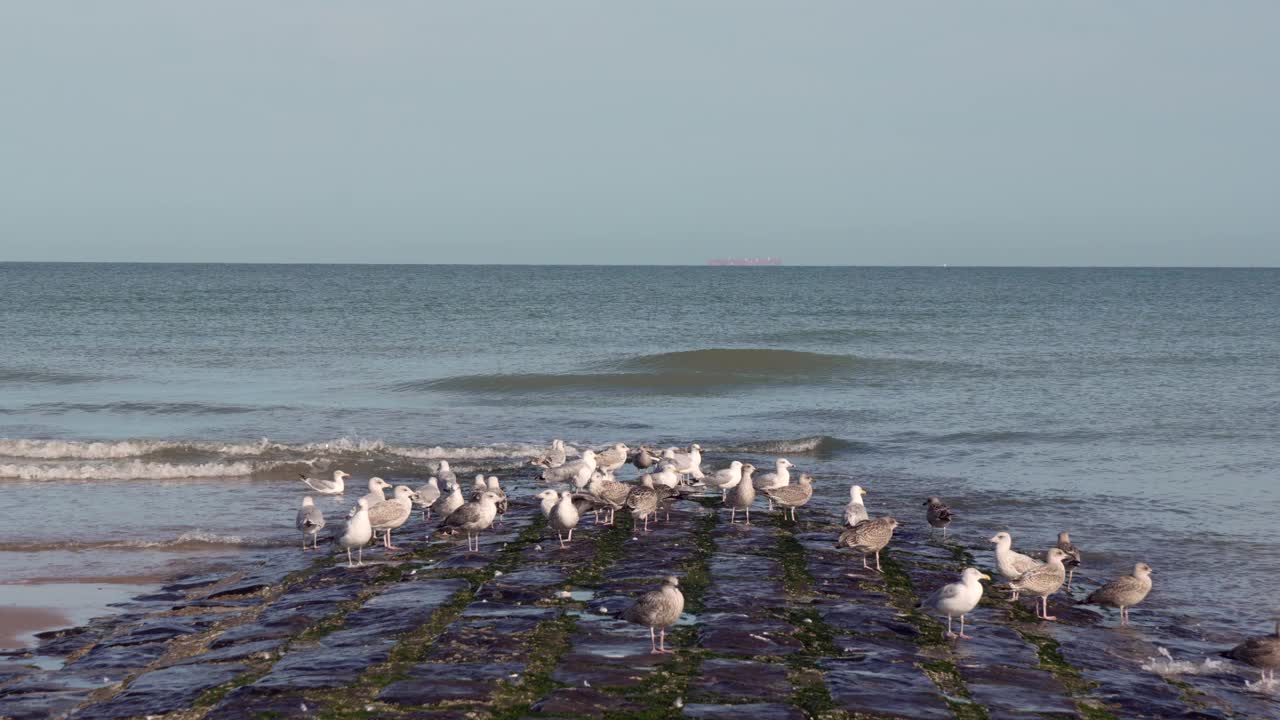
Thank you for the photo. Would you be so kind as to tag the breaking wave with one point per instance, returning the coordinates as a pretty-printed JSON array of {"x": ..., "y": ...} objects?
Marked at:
[
  {"x": 18, "y": 376},
  {"x": 814, "y": 445},
  {"x": 133, "y": 470}
]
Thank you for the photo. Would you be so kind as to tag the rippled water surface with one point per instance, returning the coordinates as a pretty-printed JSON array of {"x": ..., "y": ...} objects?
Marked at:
[{"x": 155, "y": 416}]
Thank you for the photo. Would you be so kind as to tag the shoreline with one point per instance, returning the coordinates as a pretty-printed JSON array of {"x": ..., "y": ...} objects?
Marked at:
[{"x": 28, "y": 608}]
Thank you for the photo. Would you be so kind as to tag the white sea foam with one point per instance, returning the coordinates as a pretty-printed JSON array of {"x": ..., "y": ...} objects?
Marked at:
[
  {"x": 135, "y": 469},
  {"x": 123, "y": 449},
  {"x": 1166, "y": 666}
]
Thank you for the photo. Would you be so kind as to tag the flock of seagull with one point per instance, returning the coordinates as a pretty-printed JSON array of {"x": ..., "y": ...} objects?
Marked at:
[{"x": 591, "y": 488}]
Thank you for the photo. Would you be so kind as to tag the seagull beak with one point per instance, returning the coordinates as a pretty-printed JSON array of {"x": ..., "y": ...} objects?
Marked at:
[{"x": 984, "y": 576}]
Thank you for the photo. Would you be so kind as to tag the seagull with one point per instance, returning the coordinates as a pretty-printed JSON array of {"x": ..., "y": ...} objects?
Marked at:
[
  {"x": 478, "y": 486},
  {"x": 357, "y": 533},
  {"x": 780, "y": 477},
  {"x": 1043, "y": 581},
  {"x": 447, "y": 476},
  {"x": 553, "y": 457},
  {"x": 687, "y": 462},
  {"x": 496, "y": 488},
  {"x": 938, "y": 514},
  {"x": 375, "y": 494},
  {"x": 644, "y": 458},
  {"x": 726, "y": 478},
  {"x": 336, "y": 486},
  {"x": 1262, "y": 652},
  {"x": 613, "y": 458},
  {"x": 1124, "y": 592},
  {"x": 1011, "y": 564},
  {"x": 867, "y": 537},
  {"x": 427, "y": 495},
  {"x": 609, "y": 492},
  {"x": 742, "y": 495},
  {"x": 958, "y": 598},
  {"x": 578, "y": 471},
  {"x": 446, "y": 504},
  {"x": 855, "y": 512},
  {"x": 563, "y": 516},
  {"x": 310, "y": 521},
  {"x": 1073, "y": 556},
  {"x": 474, "y": 517},
  {"x": 391, "y": 514},
  {"x": 666, "y": 476},
  {"x": 790, "y": 497},
  {"x": 658, "y": 609},
  {"x": 642, "y": 501},
  {"x": 547, "y": 500}
]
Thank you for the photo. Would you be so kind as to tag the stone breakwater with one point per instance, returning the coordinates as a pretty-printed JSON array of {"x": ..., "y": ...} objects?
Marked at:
[{"x": 778, "y": 625}]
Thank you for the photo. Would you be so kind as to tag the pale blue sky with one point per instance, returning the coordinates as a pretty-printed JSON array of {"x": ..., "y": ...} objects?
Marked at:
[{"x": 1082, "y": 133}]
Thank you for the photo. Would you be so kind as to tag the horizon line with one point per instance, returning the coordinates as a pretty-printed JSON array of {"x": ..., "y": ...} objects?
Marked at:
[{"x": 707, "y": 265}]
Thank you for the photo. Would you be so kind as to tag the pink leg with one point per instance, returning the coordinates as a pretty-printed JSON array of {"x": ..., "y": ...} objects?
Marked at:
[{"x": 962, "y": 635}]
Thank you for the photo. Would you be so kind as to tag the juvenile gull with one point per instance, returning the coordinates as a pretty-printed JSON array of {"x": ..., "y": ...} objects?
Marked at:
[
  {"x": 642, "y": 501},
  {"x": 357, "y": 533},
  {"x": 1262, "y": 652},
  {"x": 658, "y": 609},
  {"x": 780, "y": 477},
  {"x": 612, "y": 458},
  {"x": 336, "y": 486},
  {"x": 1124, "y": 592},
  {"x": 553, "y": 457},
  {"x": 609, "y": 492},
  {"x": 578, "y": 471},
  {"x": 564, "y": 517},
  {"x": 742, "y": 495},
  {"x": 447, "y": 503},
  {"x": 391, "y": 514},
  {"x": 309, "y": 522},
  {"x": 1072, "y": 552},
  {"x": 375, "y": 494},
  {"x": 427, "y": 495},
  {"x": 855, "y": 512},
  {"x": 725, "y": 478},
  {"x": 958, "y": 598},
  {"x": 938, "y": 514},
  {"x": 474, "y": 517},
  {"x": 446, "y": 474},
  {"x": 867, "y": 537},
  {"x": 1011, "y": 564},
  {"x": 1043, "y": 581},
  {"x": 790, "y": 497},
  {"x": 644, "y": 458}
]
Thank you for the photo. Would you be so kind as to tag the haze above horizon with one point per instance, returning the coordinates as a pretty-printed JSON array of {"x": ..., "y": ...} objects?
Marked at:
[{"x": 1089, "y": 134}]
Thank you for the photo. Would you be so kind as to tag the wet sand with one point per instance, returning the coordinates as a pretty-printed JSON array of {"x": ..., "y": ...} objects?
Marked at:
[
  {"x": 19, "y": 624},
  {"x": 29, "y": 608}
]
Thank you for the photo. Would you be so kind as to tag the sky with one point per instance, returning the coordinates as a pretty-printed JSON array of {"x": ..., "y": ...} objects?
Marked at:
[{"x": 827, "y": 133}]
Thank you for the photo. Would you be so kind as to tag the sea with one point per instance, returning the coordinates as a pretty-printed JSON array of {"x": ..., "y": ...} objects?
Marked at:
[{"x": 154, "y": 418}]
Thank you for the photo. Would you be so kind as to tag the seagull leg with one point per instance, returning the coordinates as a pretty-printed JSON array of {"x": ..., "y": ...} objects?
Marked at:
[
  {"x": 570, "y": 534},
  {"x": 950, "y": 634},
  {"x": 864, "y": 562},
  {"x": 733, "y": 513},
  {"x": 360, "y": 556},
  {"x": 662, "y": 643},
  {"x": 962, "y": 635},
  {"x": 1046, "y": 615},
  {"x": 748, "y": 516},
  {"x": 653, "y": 642},
  {"x": 878, "y": 561},
  {"x": 349, "y": 563},
  {"x": 1070, "y": 574},
  {"x": 304, "y": 541}
]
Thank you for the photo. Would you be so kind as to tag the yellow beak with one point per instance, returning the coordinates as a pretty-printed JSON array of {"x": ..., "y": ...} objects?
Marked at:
[{"x": 985, "y": 577}]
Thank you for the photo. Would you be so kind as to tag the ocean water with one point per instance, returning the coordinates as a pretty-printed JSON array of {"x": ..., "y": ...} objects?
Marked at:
[{"x": 153, "y": 418}]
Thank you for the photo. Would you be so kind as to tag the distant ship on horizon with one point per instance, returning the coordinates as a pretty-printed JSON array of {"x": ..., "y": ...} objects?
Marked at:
[{"x": 744, "y": 262}]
